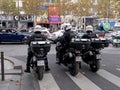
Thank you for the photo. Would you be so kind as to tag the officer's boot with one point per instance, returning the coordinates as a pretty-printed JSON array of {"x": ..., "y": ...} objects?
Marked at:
[
  {"x": 59, "y": 59},
  {"x": 28, "y": 63},
  {"x": 27, "y": 69}
]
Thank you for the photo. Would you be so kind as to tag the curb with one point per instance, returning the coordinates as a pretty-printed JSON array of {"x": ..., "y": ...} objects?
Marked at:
[
  {"x": 16, "y": 62},
  {"x": 13, "y": 77},
  {"x": 17, "y": 66}
]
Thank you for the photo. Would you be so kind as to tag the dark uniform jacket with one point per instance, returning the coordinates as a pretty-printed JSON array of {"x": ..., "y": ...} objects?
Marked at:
[
  {"x": 67, "y": 38},
  {"x": 37, "y": 37},
  {"x": 89, "y": 36}
]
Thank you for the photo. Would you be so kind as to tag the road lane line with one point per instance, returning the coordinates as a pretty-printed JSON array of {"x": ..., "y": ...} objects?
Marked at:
[
  {"x": 48, "y": 83},
  {"x": 83, "y": 82},
  {"x": 110, "y": 77}
]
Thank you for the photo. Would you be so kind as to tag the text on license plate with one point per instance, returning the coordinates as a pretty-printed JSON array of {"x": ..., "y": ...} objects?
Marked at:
[
  {"x": 98, "y": 56},
  {"x": 78, "y": 59}
]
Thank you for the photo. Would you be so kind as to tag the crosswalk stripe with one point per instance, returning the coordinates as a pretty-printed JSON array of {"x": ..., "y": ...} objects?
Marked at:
[
  {"x": 83, "y": 82},
  {"x": 48, "y": 83},
  {"x": 110, "y": 77}
]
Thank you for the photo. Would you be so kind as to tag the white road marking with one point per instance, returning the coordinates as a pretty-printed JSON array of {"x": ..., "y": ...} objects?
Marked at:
[
  {"x": 83, "y": 82},
  {"x": 110, "y": 77},
  {"x": 118, "y": 69},
  {"x": 48, "y": 83}
]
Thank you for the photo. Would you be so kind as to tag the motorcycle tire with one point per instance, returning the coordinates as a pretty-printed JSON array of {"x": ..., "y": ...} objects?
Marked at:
[
  {"x": 95, "y": 66},
  {"x": 117, "y": 44},
  {"x": 57, "y": 57},
  {"x": 74, "y": 68},
  {"x": 40, "y": 72},
  {"x": 24, "y": 40}
]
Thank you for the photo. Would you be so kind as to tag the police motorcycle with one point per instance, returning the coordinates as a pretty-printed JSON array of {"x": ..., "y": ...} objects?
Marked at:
[
  {"x": 116, "y": 41},
  {"x": 40, "y": 50},
  {"x": 68, "y": 58},
  {"x": 90, "y": 51}
]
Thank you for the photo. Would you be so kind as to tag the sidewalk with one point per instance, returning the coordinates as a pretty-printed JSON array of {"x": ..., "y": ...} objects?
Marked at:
[{"x": 13, "y": 73}]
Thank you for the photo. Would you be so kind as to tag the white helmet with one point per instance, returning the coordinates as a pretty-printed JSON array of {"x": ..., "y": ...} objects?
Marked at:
[
  {"x": 37, "y": 28},
  {"x": 69, "y": 27},
  {"x": 89, "y": 28},
  {"x": 37, "y": 31}
]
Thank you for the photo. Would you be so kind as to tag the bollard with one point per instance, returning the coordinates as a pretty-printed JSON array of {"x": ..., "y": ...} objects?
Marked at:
[{"x": 2, "y": 67}]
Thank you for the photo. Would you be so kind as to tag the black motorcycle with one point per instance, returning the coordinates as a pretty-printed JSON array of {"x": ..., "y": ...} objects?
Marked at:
[
  {"x": 67, "y": 58},
  {"x": 40, "y": 50},
  {"x": 90, "y": 51}
]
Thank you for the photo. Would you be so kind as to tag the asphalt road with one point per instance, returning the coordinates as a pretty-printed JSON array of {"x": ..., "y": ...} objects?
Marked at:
[{"x": 107, "y": 78}]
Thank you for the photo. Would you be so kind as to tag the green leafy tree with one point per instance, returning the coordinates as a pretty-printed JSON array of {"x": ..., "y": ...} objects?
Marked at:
[
  {"x": 82, "y": 7},
  {"x": 115, "y": 7},
  {"x": 33, "y": 7},
  {"x": 107, "y": 8},
  {"x": 8, "y": 7}
]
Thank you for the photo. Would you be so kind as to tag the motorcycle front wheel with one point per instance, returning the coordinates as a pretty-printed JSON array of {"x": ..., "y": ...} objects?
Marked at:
[
  {"x": 74, "y": 68},
  {"x": 40, "y": 73},
  {"x": 95, "y": 66}
]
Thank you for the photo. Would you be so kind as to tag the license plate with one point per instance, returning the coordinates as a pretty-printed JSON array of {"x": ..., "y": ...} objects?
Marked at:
[
  {"x": 77, "y": 52},
  {"x": 98, "y": 56},
  {"x": 40, "y": 63},
  {"x": 78, "y": 59}
]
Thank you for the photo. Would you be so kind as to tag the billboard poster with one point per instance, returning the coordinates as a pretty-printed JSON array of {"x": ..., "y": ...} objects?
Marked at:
[{"x": 54, "y": 15}]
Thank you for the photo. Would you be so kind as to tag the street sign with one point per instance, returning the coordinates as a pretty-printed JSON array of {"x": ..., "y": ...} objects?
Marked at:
[
  {"x": 43, "y": 7},
  {"x": 106, "y": 26}
]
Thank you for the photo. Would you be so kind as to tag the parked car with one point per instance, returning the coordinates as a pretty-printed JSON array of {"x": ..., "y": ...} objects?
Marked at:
[
  {"x": 100, "y": 33},
  {"x": 25, "y": 31},
  {"x": 43, "y": 30},
  {"x": 115, "y": 33},
  {"x": 46, "y": 32},
  {"x": 12, "y": 35},
  {"x": 59, "y": 33},
  {"x": 56, "y": 34}
]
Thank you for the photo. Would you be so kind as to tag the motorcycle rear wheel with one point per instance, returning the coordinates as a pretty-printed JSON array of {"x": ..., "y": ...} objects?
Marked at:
[
  {"x": 95, "y": 66},
  {"x": 57, "y": 56},
  {"x": 40, "y": 73},
  {"x": 74, "y": 68}
]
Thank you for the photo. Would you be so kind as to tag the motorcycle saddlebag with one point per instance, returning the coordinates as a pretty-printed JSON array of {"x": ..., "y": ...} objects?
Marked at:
[
  {"x": 105, "y": 42},
  {"x": 37, "y": 45},
  {"x": 97, "y": 43},
  {"x": 79, "y": 44}
]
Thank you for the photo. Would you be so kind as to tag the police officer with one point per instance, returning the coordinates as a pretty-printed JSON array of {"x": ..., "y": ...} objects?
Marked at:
[
  {"x": 65, "y": 40},
  {"x": 37, "y": 36},
  {"x": 67, "y": 36},
  {"x": 89, "y": 33}
]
